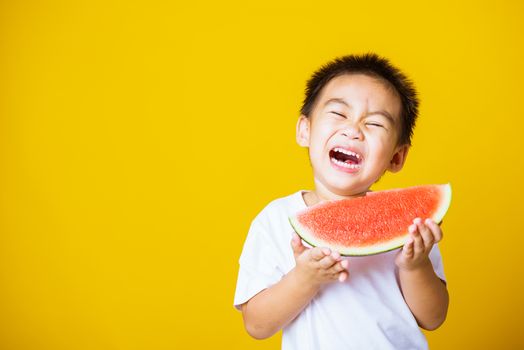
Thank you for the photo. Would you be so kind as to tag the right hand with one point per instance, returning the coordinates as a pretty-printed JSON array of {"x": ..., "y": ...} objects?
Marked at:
[{"x": 318, "y": 265}]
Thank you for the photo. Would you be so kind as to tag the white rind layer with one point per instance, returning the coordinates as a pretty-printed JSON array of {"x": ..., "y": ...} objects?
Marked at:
[
  {"x": 444, "y": 204},
  {"x": 395, "y": 243}
]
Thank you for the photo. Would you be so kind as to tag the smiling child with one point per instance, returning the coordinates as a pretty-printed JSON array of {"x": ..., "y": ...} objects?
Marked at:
[{"x": 357, "y": 121}]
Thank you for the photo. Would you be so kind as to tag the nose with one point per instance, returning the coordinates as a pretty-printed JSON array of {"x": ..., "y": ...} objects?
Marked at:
[{"x": 353, "y": 132}]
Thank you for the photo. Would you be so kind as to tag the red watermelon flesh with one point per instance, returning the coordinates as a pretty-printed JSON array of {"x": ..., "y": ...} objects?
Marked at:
[{"x": 372, "y": 224}]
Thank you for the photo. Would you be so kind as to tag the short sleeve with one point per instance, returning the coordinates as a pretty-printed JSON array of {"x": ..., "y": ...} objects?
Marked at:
[
  {"x": 259, "y": 268},
  {"x": 436, "y": 261}
]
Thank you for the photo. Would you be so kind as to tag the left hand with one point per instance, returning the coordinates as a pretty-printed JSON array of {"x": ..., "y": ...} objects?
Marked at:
[{"x": 415, "y": 253}]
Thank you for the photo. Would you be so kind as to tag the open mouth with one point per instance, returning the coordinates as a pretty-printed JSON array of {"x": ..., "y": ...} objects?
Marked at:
[{"x": 345, "y": 158}]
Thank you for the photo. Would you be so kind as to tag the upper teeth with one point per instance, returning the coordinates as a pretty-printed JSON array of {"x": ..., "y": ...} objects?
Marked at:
[{"x": 345, "y": 151}]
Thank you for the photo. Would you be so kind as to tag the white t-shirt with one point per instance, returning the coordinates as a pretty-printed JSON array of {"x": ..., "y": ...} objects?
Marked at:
[{"x": 367, "y": 311}]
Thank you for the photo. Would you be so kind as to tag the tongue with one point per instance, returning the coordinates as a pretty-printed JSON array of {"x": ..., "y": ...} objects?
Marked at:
[{"x": 346, "y": 158}]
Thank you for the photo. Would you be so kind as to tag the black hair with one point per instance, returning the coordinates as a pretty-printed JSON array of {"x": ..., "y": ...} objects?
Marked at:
[{"x": 375, "y": 66}]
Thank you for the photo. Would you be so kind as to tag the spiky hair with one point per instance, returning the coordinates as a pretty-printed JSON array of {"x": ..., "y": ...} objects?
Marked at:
[{"x": 375, "y": 66}]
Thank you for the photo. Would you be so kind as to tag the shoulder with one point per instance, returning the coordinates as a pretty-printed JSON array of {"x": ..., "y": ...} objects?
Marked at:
[
  {"x": 269, "y": 237},
  {"x": 272, "y": 222},
  {"x": 280, "y": 208}
]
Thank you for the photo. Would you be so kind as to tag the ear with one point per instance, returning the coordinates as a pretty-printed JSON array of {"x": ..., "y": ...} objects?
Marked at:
[
  {"x": 303, "y": 127},
  {"x": 399, "y": 158}
]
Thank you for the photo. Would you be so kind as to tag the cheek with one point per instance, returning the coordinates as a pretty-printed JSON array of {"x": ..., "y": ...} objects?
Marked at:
[
  {"x": 381, "y": 150},
  {"x": 318, "y": 145},
  {"x": 320, "y": 137},
  {"x": 324, "y": 131},
  {"x": 381, "y": 138}
]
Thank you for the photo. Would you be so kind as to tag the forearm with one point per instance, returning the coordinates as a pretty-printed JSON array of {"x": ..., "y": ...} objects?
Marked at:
[
  {"x": 273, "y": 308},
  {"x": 426, "y": 295}
]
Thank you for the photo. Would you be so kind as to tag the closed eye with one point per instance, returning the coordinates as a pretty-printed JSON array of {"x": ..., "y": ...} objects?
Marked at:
[
  {"x": 339, "y": 114},
  {"x": 375, "y": 124}
]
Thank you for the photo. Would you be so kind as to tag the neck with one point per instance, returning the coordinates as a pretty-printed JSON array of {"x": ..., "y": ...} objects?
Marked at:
[{"x": 321, "y": 193}]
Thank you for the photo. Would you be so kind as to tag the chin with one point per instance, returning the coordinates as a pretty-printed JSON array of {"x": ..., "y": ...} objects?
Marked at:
[
  {"x": 346, "y": 189},
  {"x": 345, "y": 184}
]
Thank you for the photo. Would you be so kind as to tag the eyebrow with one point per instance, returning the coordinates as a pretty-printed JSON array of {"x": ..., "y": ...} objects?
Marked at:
[{"x": 342, "y": 101}]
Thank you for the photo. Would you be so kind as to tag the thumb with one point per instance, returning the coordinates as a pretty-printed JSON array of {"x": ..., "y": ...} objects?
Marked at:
[{"x": 296, "y": 244}]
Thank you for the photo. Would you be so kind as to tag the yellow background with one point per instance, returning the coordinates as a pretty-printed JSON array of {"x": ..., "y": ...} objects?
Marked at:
[{"x": 138, "y": 139}]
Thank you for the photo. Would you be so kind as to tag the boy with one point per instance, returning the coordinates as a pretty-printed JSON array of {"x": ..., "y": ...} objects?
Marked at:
[{"x": 356, "y": 120}]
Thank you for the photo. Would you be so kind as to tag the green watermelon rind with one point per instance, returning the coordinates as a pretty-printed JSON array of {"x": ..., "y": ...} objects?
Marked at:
[{"x": 390, "y": 245}]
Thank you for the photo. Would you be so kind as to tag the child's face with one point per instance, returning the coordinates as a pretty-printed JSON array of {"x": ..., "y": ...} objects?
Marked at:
[{"x": 352, "y": 134}]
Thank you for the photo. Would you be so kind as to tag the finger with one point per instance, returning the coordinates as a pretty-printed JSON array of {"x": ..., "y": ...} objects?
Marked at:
[
  {"x": 407, "y": 250},
  {"x": 317, "y": 253},
  {"x": 345, "y": 264},
  {"x": 327, "y": 262},
  {"x": 296, "y": 245},
  {"x": 335, "y": 255},
  {"x": 336, "y": 268},
  {"x": 435, "y": 228},
  {"x": 343, "y": 276},
  {"x": 418, "y": 243},
  {"x": 426, "y": 234}
]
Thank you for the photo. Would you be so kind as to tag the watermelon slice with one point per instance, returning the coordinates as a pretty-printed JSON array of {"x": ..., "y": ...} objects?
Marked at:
[{"x": 375, "y": 223}]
